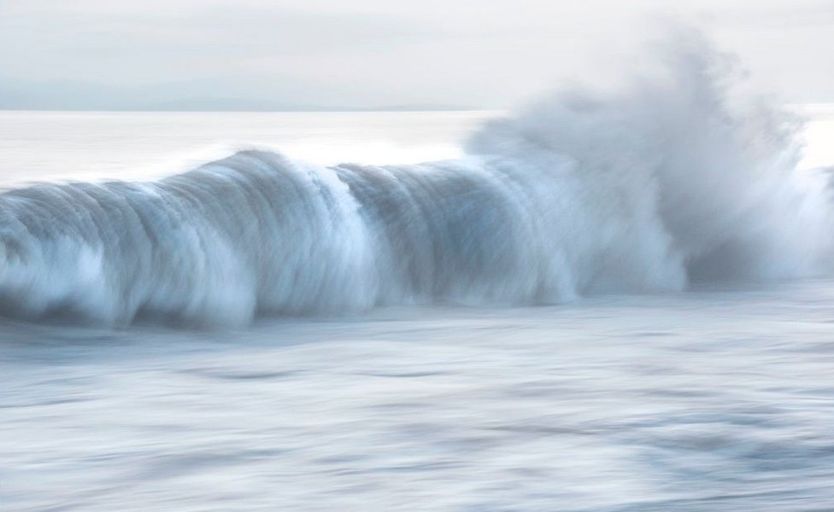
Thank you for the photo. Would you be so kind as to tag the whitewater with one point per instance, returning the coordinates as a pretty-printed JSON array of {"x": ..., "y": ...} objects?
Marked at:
[
  {"x": 613, "y": 299},
  {"x": 644, "y": 189}
]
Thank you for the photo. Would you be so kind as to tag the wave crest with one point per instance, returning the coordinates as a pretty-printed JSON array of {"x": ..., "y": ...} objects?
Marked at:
[{"x": 666, "y": 181}]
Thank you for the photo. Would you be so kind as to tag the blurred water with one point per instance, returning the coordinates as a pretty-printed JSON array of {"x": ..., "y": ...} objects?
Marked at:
[
  {"x": 708, "y": 401},
  {"x": 713, "y": 400},
  {"x": 143, "y": 145}
]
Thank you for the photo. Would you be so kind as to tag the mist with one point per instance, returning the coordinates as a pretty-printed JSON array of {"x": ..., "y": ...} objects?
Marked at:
[{"x": 370, "y": 54}]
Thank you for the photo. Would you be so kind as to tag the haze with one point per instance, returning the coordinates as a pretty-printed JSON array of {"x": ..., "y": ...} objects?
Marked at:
[{"x": 375, "y": 54}]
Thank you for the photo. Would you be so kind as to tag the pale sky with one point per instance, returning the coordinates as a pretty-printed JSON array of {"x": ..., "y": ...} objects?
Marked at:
[{"x": 267, "y": 54}]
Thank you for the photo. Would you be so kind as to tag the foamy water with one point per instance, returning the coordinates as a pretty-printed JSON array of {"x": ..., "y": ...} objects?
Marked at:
[
  {"x": 674, "y": 242},
  {"x": 706, "y": 401}
]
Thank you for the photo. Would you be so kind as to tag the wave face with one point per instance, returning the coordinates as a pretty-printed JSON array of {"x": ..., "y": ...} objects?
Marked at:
[{"x": 665, "y": 182}]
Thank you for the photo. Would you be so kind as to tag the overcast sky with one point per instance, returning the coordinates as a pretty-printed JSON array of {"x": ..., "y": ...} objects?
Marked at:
[{"x": 253, "y": 54}]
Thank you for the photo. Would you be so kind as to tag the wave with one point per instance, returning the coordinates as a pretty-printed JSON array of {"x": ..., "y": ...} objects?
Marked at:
[{"x": 666, "y": 181}]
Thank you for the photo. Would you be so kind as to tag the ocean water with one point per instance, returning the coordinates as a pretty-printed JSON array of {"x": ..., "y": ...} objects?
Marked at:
[
  {"x": 712, "y": 400},
  {"x": 596, "y": 304}
]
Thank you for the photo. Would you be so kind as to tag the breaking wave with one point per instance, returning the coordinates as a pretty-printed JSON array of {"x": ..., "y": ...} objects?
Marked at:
[{"x": 667, "y": 181}]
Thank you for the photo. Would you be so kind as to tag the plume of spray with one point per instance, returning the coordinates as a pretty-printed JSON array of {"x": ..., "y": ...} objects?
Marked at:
[{"x": 710, "y": 165}]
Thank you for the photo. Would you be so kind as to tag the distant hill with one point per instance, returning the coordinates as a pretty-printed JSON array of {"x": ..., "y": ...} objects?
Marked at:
[{"x": 84, "y": 96}]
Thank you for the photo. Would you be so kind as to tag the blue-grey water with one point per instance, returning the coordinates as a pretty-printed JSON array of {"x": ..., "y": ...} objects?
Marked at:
[
  {"x": 717, "y": 398},
  {"x": 707, "y": 401}
]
